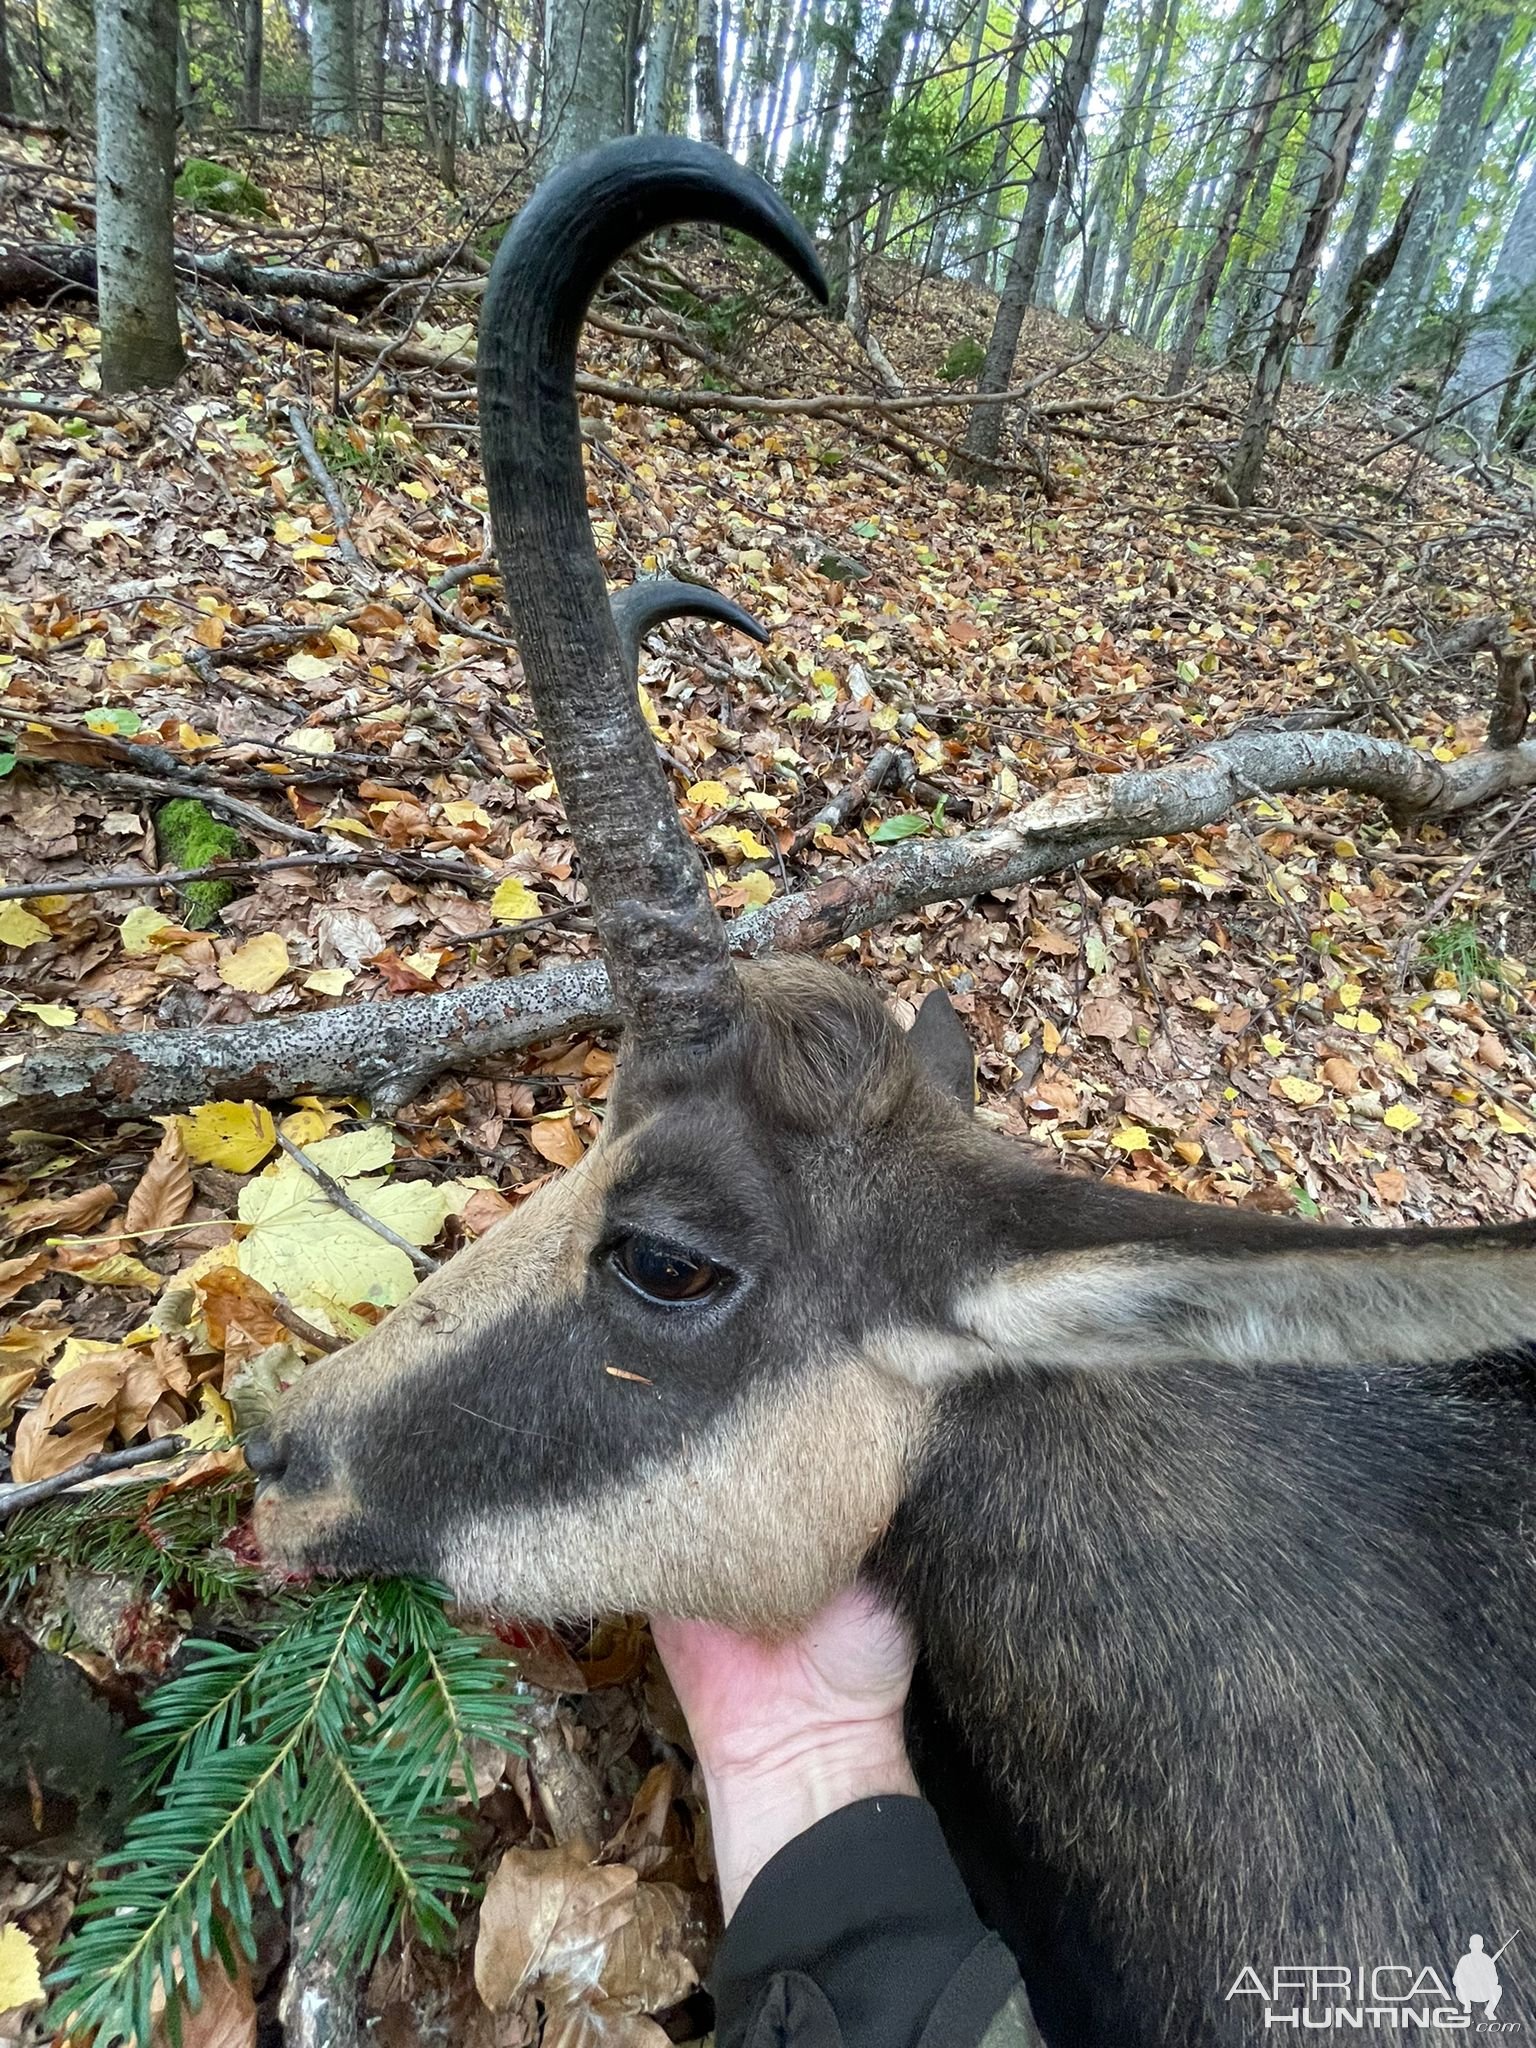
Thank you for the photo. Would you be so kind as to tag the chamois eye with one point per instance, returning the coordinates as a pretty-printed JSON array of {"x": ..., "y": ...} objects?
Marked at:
[{"x": 661, "y": 1274}]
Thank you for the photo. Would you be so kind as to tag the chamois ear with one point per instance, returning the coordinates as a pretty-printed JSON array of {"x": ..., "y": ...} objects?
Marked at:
[
  {"x": 941, "y": 1048},
  {"x": 1383, "y": 1300}
]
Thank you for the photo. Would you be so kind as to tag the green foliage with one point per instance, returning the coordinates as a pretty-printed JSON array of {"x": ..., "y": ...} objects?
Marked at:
[
  {"x": 190, "y": 836},
  {"x": 214, "y": 188},
  {"x": 172, "y": 1546},
  {"x": 378, "y": 456},
  {"x": 964, "y": 360},
  {"x": 1458, "y": 949},
  {"x": 352, "y": 1720}
]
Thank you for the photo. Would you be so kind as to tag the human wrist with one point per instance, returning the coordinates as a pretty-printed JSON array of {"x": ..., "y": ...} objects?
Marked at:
[{"x": 758, "y": 1804}]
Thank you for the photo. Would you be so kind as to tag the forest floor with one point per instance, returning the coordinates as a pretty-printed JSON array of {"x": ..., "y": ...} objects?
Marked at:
[{"x": 1304, "y": 1008}]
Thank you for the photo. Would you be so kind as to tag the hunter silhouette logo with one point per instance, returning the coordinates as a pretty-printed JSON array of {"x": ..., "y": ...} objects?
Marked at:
[
  {"x": 1476, "y": 1981},
  {"x": 1390, "y": 1997}
]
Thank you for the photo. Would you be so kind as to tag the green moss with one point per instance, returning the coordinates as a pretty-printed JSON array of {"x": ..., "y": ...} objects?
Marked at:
[
  {"x": 191, "y": 837},
  {"x": 963, "y": 360},
  {"x": 215, "y": 188}
]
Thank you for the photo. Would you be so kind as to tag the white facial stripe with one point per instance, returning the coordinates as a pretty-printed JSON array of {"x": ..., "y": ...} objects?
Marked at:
[
  {"x": 1415, "y": 1305},
  {"x": 755, "y": 1522}
]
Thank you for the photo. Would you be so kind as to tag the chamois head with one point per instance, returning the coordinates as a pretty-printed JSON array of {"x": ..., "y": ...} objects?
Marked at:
[{"x": 696, "y": 1373}]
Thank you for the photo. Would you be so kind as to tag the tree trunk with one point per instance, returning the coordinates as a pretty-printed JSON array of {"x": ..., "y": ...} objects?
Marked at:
[
  {"x": 1501, "y": 328},
  {"x": 1163, "y": 34},
  {"x": 479, "y": 41},
  {"x": 333, "y": 67},
  {"x": 706, "y": 72},
  {"x": 7, "y": 86},
  {"x": 1356, "y": 25},
  {"x": 373, "y": 62},
  {"x": 790, "y": 85},
  {"x": 660, "y": 56},
  {"x": 1288, "y": 31},
  {"x": 135, "y": 166},
  {"x": 446, "y": 142},
  {"x": 1412, "y": 51},
  {"x": 1364, "y": 62},
  {"x": 845, "y": 40},
  {"x": 1124, "y": 159},
  {"x": 253, "y": 44},
  {"x": 1058, "y": 127},
  {"x": 1449, "y": 164},
  {"x": 873, "y": 100},
  {"x": 992, "y": 204},
  {"x": 186, "y": 96},
  {"x": 587, "y": 91}
]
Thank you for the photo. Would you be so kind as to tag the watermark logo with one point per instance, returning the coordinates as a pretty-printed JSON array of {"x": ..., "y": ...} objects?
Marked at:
[{"x": 1381, "y": 1997}]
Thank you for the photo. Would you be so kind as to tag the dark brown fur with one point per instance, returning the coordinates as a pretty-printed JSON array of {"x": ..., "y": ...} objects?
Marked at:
[{"x": 1227, "y": 1659}]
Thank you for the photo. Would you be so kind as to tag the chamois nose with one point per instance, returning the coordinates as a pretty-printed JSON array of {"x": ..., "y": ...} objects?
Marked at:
[{"x": 264, "y": 1457}]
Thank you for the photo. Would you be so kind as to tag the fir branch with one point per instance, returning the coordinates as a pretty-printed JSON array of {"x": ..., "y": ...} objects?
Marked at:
[{"x": 350, "y": 1721}]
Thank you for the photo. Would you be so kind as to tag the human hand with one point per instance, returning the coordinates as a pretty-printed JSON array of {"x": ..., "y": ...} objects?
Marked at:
[{"x": 788, "y": 1732}]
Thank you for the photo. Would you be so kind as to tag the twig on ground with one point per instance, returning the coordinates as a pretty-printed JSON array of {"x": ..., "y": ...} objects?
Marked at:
[
  {"x": 329, "y": 490},
  {"x": 333, "y": 1191},
  {"x": 888, "y": 765},
  {"x": 220, "y": 871},
  {"x": 14, "y": 1497}
]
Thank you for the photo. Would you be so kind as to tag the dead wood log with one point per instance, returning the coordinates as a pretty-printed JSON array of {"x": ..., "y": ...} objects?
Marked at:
[
  {"x": 391, "y": 1050},
  {"x": 36, "y": 270}
]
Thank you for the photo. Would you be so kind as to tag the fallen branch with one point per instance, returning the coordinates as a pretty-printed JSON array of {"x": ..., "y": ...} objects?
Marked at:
[
  {"x": 887, "y": 765},
  {"x": 167, "y": 878},
  {"x": 391, "y": 1050},
  {"x": 13, "y": 1498},
  {"x": 40, "y": 268},
  {"x": 336, "y": 504},
  {"x": 334, "y": 1192}
]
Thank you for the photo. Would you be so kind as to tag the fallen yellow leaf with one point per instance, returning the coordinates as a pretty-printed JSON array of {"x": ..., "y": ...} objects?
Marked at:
[
  {"x": 328, "y": 981},
  {"x": 756, "y": 889},
  {"x": 514, "y": 902},
  {"x": 18, "y": 927},
  {"x": 1294, "y": 1089},
  {"x": 257, "y": 966},
  {"x": 236, "y": 1135},
  {"x": 1400, "y": 1117},
  {"x": 709, "y": 793},
  {"x": 21, "y": 1981},
  {"x": 1131, "y": 1138},
  {"x": 58, "y": 1016}
]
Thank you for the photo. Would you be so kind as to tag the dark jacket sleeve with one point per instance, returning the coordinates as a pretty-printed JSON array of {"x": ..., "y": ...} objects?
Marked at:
[{"x": 859, "y": 1934}]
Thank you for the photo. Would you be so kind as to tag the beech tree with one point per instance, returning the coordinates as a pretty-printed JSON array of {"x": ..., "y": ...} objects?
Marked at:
[
  {"x": 1058, "y": 125},
  {"x": 135, "y": 164},
  {"x": 1505, "y": 329}
]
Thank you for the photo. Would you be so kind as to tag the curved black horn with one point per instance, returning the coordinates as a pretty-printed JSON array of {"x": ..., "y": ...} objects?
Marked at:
[
  {"x": 665, "y": 947},
  {"x": 640, "y": 606}
]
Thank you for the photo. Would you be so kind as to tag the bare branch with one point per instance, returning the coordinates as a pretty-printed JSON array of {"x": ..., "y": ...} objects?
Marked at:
[{"x": 391, "y": 1050}]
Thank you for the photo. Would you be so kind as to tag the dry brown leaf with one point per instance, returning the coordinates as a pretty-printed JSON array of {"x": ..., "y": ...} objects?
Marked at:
[
  {"x": 226, "y": 2017},
  {"x": 1341, "y": 1074},
  {"x": 164, "y": 1193},
  {"x": 484, "y": 1207},
  {"x": 12, "y": 1386},
  {"x": 18, "y": 1273},
  {"x": 40, "y": 1453},
  {"x": 601, "y": 2023},
  {"x": 142, "y": 1387},
  {"x": 546, "y": 1922},
  {"x": 647, "y": 1967},
  {"x": 1390, "y": 1185},
  {"x": 555, "y": 1138},
  {"x": 1106, "y": 1017},
  {"x": 240, "y": 1313},
  {"x": 62, "y": 1212}
]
